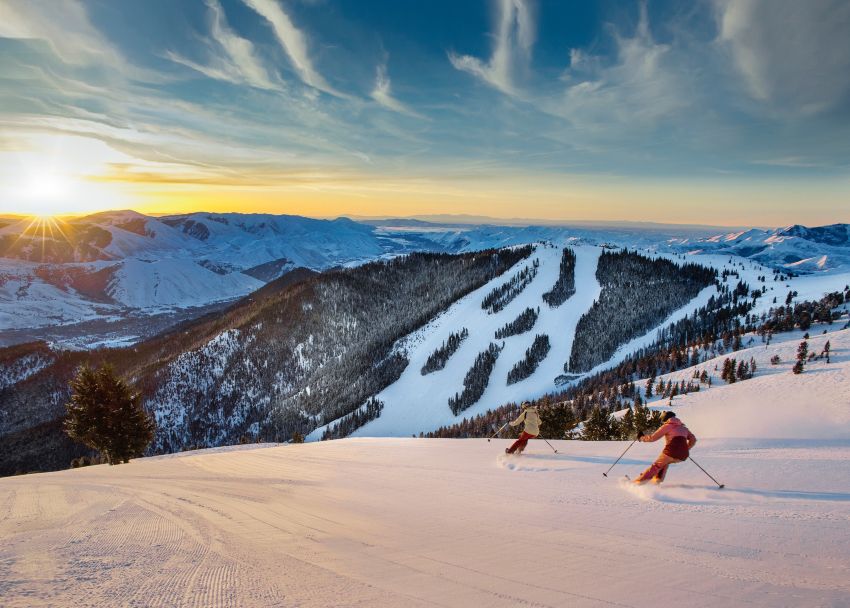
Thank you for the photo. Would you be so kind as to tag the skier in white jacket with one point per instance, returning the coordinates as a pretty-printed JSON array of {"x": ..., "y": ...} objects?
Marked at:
[{"x": 531, "y": 429}]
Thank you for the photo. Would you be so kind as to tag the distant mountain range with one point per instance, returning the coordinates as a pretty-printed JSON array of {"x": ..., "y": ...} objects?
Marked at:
[
  {"x": 795, "y": 249},
  {"x": 112, "y": 267}
]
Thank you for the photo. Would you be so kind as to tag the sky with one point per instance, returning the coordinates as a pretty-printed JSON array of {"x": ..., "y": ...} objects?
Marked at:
[{"x": 724, "y": 112}]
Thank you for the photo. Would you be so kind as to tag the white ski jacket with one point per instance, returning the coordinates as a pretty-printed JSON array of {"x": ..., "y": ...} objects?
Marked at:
[{"x": 531, "y": 419}]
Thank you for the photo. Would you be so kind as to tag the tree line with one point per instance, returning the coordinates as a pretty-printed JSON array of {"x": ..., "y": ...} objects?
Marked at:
[
  {"x": 438, "y": 359},
  {"x": 523, "y": 323},
  {"x": 476, "y": 380},
  {"x": 565, "y": 286},
  {"x": 533, "y": 356},
  {"x": 504, "y": 294},
  {"x": 638, "y": 293},
  {"x": 353, "y": 421}
]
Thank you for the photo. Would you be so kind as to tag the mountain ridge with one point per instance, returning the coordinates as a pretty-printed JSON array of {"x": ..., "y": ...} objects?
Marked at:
[{"x": 126, "y": 266}]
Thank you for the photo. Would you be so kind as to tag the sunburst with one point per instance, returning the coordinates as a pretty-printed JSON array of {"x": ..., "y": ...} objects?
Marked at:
[{"x": 43, "y": 228}]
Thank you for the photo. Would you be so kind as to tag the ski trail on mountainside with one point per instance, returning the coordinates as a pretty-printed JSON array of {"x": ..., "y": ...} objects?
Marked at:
[{"x": 417, "y": 403}]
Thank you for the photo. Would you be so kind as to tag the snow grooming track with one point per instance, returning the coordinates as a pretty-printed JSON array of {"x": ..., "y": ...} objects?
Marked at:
[
  {"x": 417, "y": 403},
  {"x": 415, "y": 523}
]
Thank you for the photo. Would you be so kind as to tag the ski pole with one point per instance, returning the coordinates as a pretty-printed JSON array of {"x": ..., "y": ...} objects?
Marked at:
[
  {"x": 497, "y": 432},
  {"x": 550, "y": 445},
  {"x": 605, "y": 474},
  {"x": 719, "y": 485}
]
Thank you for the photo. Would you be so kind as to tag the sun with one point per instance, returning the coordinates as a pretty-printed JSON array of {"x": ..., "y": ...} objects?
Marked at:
[
  {"x": 49, "y": 175},
  {"x": 48, "y": 186},
  {"x": 48, "y": 193}
]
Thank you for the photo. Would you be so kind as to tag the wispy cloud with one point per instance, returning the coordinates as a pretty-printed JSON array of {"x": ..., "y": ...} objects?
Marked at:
[
  {"x": 794, "y": 56},
  {"x": 68, "y": 31},
  {"x": 514, "y": 39},
  {"x": 382, "y": 93},
  {"x": 643, "y": 86},
  {"x": 234, "y": 59},
  {"x": 294, "y": 43}
]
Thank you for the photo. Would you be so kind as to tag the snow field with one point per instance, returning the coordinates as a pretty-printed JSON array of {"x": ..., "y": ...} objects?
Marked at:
[{"x": 392, "y": 522}]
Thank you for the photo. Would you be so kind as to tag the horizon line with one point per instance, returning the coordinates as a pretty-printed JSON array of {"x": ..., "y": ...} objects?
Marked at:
[{"x": 435, "y": 218}]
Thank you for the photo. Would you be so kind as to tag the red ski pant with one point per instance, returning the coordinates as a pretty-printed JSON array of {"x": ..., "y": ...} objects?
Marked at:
[
  {"x": 520, "y": 443},
  {"x": 659, "y": 468}
]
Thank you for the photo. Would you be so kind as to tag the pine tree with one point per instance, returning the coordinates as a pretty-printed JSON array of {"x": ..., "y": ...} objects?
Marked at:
[
  {"x": 627, "y": 424},
  {"x": 556, "y": 421},
  {"x": 802, "y": 352},
  {"x": 643, "y": 420},
  {"x": 600, "y": 426},
  {"x": 107, "y": 416}
]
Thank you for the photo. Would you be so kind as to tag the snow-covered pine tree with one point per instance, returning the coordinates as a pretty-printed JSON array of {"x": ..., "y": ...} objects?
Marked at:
[{"x": 600, "y": 426}]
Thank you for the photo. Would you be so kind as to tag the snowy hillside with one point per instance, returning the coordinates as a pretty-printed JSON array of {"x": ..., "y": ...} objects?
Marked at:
[
  {"x": 775, "y": 403},
  {"x": 419, "y": 403},
  {"x": 417, "y": 522}
]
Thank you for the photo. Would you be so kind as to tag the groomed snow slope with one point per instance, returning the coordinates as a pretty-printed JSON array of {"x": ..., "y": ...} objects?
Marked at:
[{"x": 417, "y": 522}]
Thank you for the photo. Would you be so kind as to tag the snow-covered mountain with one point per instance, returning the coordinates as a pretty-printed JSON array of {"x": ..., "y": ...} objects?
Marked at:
[
  {"x": 347, "y": 351},
  {"x": 87, "y": 281},
  {"x": 116, "y": 265},
  {"x": 794, "y": 249}
]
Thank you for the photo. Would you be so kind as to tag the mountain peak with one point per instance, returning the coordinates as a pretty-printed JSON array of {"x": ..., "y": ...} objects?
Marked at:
[{"x": 833, "y": 234}]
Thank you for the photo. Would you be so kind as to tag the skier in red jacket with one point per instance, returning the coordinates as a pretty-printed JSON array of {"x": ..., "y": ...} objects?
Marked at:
[{"x": 679, "y": 441}]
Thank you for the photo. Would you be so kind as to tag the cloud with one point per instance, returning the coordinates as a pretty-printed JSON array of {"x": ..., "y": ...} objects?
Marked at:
[
  {"x": 233, "y": 59},
  {"x": 65, "y": 26},
  {"x": 792, "y": 55},
  {"x": 647, "y": 83},
  {"x": 240, "y": 51},
  {"x": 293, "y": 42},
  {"x": 75, "y": 41},
  {"x": 382, "y": 93},
  {"x": 514, "y": 40}
]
